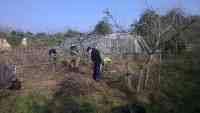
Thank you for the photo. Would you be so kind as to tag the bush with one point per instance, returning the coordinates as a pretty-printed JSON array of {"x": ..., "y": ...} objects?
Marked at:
[
  {"x": 31, "y": 103},
  {"x": 88, "y": 108},
  {"x": 14, "y": 41},
  {"x": 181, "y": 82}
]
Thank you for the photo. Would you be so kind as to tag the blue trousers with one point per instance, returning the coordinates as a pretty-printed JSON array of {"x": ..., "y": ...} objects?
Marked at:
[{"x": 96, "y": 71}]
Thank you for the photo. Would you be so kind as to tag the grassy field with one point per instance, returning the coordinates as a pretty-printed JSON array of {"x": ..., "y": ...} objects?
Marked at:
[{"x": 64, "y": 91}]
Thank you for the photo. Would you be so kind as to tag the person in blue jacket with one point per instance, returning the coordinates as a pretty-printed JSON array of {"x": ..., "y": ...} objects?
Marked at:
[{"x": 97, "y": 61}]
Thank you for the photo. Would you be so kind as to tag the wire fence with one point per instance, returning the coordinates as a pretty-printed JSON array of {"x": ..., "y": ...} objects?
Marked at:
[{"x": 119, "y": 43}]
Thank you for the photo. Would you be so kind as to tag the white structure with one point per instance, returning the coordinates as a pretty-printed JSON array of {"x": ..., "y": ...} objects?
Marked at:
[
  {"x": 4, "y": 45},
  {"x": 119, "y": 43},
  {"x": 112, "y": 43},
  {"x": 24, "y": 42}
]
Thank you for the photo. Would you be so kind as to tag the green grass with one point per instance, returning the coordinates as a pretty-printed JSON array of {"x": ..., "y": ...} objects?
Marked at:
[
  {"x": 180, "y": 85},
  {"x": 33, "y": 102},
  {"x": 50, "y": 42}
]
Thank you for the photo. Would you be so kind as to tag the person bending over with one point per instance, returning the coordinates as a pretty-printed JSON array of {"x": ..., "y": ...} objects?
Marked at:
[{"x": 97, "y": 62}]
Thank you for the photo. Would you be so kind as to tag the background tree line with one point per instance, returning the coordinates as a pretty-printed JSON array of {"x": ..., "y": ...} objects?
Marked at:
[
  {"x": 180, "y": 78},
  {"x": 180, "y": 65}
]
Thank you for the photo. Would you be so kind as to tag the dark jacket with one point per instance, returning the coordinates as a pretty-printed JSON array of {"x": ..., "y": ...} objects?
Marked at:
[
  {"x": 7, "y": 75},
  {"x": 96, "y": 57},
  {"x": 52, "y": 52}
]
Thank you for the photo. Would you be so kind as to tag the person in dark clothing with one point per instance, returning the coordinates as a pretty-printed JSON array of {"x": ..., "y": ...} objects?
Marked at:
[
  {"x": 97, "y": 61},
  {"x": 8, "y": 78},
  {"x": 52, "y": 52},
  {"x": 53, "y": 57}
]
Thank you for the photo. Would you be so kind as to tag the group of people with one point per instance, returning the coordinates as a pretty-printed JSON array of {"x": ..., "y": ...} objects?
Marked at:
[
  {"x": 93, "y": 53},
  {"x": 8, "y": 79}
]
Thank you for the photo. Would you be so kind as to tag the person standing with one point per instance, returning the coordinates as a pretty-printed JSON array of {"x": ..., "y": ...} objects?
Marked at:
[
  {"x": 75, "y": 58},
  {"x": 97, "y": 62},
  {"x": 53, "y": 57}
]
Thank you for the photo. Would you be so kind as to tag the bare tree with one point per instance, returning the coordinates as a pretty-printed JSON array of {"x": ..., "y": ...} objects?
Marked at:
[{"x": 156, "y": 30}]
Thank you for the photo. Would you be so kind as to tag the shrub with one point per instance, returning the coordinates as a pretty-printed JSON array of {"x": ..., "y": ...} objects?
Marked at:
[{"x": 31, "y": 103}]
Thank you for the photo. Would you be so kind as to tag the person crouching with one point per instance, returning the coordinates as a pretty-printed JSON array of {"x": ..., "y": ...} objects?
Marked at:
[{"x": 75, "y": 58}]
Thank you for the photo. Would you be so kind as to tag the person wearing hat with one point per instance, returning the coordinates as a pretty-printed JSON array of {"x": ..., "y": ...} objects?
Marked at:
[{"x": 97, "y": 62}]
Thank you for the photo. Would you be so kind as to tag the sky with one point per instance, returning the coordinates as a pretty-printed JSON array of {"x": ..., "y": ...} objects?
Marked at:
[{"x": 82, "y": 15}]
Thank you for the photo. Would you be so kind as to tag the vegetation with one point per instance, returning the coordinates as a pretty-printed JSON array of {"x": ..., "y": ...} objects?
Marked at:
[
  {"x": 180, "y": 67},
  {"x": 153, "y": 27},
  {"x": 14, "y": 38},
  {"x": 103, "y": 28},
  {"x": 181, "y": 74},
  {"x": 178, "y": 91}
]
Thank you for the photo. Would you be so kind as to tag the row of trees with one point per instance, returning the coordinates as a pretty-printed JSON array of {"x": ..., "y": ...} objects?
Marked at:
[
  {"x": 151, "y": 26},
  {"x": 15, "y": 37}
]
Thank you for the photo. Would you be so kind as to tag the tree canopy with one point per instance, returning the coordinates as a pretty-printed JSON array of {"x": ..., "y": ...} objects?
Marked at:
[
  {"x": 152, "y": 26},
  {"x": 103, "y": 27}
]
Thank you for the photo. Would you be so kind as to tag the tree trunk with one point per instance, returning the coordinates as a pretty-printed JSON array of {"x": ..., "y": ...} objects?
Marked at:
[
  {"x": 147, "y": 77},
  {"x": 148, "y": 67},
  {"x": 140, "y": 80},
  {"x": 128, "y": 82},
  {"x": 159, "y": 74}
]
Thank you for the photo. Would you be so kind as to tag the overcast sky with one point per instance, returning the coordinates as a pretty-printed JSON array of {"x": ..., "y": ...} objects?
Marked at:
[{"x": 58, "y": 15}]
